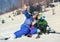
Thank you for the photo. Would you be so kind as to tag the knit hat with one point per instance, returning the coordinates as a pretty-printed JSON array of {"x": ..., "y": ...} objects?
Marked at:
[
  {"x": 34, "y": 13},
  {"x": 43, "y": 17}
]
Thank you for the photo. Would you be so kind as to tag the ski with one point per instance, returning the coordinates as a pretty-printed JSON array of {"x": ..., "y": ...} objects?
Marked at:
[{"x": 4, "y": 38}]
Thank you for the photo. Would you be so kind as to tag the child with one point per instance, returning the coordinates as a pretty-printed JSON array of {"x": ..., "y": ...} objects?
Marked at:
[{"x": 42, "y": 26}]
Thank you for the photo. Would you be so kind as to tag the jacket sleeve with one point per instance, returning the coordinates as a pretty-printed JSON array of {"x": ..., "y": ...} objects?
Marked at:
[{"x": 27, "y": 15}]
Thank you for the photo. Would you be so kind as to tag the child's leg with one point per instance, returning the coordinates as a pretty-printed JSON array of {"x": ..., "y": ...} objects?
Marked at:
[
  {"x": 39, "y": 33},
  {"x": 44, "y": 31}
]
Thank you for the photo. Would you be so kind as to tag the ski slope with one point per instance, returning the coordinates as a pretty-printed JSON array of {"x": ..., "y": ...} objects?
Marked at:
[{"x": 10, "y": 26}]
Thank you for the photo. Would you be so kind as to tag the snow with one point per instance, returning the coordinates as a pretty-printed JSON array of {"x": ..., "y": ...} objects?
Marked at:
[{"x": 10, "y": 26}]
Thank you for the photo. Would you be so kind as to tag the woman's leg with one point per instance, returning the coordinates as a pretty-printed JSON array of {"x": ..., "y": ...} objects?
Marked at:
[
  {"x": 33, "y": 31},
  {"x": 24, "y": 30}
]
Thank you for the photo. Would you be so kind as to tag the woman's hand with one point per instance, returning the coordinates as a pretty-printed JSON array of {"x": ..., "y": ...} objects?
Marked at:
[
  {"x": 24, "y": 7},
  {"x": 34, "y": 22}
]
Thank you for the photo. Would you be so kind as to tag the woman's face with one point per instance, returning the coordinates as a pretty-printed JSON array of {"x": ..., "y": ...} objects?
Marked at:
[
  {"x": 34, "y": 16},
  {"x": 38, "y": 17}
]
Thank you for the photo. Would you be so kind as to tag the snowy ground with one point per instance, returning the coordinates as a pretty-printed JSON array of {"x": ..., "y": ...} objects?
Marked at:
[{"x": 13, "y": 25}]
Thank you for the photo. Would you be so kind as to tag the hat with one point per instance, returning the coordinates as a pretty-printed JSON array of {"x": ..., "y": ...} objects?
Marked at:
[
  {"x": 34, "y": 13},
  {"x": 40, "y": 13},
  {"x": 43, "y": 17}
]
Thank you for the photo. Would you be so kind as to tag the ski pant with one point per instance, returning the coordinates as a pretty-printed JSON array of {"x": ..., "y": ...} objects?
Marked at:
[
  {"x": 42, "y": 28},
  {"x": 25, "y": 30}
]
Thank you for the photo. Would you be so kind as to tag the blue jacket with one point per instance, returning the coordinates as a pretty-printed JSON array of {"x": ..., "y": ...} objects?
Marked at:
[
  {"x": 27, "y": 15},
  {"x": 28, "y": 22}
]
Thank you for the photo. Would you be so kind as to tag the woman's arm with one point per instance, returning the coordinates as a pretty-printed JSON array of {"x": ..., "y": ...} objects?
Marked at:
[
  {"x": 34, "y": 22},
  {"x": 25, "y": 12}
]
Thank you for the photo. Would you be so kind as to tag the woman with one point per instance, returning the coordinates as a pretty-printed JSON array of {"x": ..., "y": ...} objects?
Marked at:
[{"x": 27, "y": 28}]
